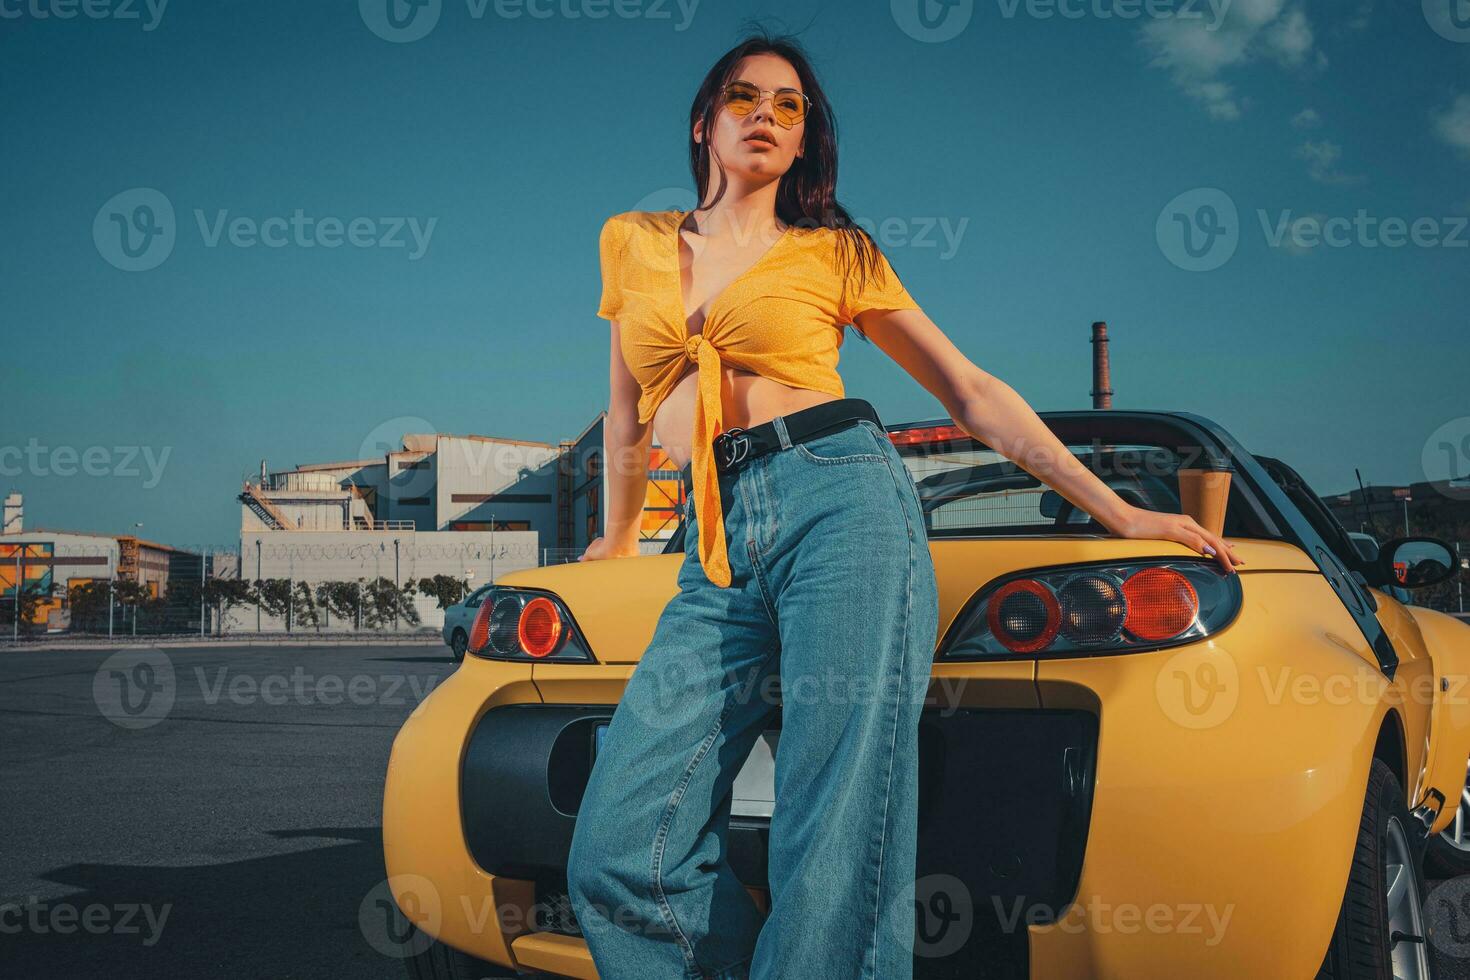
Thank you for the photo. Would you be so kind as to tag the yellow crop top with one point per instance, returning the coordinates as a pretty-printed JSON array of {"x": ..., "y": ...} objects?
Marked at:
[{"x": 781, "y": 318}]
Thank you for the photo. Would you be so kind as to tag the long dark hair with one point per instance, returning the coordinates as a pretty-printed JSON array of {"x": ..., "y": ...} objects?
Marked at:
[{"x": 807, "y": 193}]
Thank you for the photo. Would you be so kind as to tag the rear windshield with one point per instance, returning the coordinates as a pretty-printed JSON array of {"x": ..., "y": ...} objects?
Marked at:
[{"x": 969, "y": 489}]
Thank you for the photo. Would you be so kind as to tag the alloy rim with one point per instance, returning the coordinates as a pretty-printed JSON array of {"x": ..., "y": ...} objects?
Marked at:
[{"x": 1406, "y": 940}]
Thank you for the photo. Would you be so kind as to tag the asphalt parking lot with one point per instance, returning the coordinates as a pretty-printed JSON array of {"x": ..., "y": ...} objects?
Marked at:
[
  {"x": 216, "y": 812},
  {"x": 221, "y": 823}
]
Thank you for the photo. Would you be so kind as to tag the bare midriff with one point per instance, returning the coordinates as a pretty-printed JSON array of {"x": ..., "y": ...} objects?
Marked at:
[{"x": 747, "y": 400}]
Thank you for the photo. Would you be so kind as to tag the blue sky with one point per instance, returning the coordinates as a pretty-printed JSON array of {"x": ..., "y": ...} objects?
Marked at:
[{"x": 1030, "y": 168}]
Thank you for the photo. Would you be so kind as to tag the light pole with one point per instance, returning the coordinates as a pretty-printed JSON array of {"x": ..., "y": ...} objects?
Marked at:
[
  {"x": 203, "y": 560},
  {"x": 19, "y": 578},
  {"x": 397, "y": 597},
  {"x": 257, "y": 585}
]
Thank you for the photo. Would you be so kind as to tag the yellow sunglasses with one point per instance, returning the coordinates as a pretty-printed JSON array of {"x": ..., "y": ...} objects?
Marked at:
[{"x": 788, "y": 105}]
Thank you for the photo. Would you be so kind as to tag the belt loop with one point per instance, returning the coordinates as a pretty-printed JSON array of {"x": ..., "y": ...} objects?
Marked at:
[{"x": 780, "y": 423}]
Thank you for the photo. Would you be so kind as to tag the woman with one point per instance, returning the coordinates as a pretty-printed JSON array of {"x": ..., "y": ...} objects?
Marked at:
[{"x": 806, "y": 568}]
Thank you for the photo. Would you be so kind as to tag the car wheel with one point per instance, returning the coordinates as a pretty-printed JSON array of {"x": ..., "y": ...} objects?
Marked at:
[
  {"x": 436, "y": 961},
  {"x": 1381, "y": 931},
  {"x": 1448, "y": 853},
  {"x": 458, "y": 643}
]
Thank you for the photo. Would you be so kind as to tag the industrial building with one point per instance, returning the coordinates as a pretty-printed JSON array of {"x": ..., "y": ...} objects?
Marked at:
[
  {"x": 50, "y": 562},
  {"x": 468, "y": 506}
]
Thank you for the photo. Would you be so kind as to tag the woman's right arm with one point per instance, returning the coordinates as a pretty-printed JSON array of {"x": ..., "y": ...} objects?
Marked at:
[{"x": 627, "y": 442}]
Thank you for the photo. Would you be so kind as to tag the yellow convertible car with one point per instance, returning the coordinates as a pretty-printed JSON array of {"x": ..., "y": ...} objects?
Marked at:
[{"x": 1133, "y": 765}]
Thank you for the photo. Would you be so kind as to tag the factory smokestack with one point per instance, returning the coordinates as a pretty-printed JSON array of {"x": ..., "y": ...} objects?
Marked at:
[{"x": 1102, "y": 372}]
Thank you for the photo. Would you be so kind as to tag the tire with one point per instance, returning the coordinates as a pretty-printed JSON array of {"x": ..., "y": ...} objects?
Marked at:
[
  {"x": 441, "y": 962},
  {"x": 1448, "y": 853},
  {"x": 1387, "y": 844},
  {"x": 459, "y": 641}
]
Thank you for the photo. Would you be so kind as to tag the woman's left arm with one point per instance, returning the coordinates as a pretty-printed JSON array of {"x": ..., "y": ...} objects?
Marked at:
[{"x": 991, "y": 411}]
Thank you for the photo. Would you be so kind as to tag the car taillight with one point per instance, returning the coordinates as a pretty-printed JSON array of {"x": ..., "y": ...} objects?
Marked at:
[
  {"x": 1077, "y": 610},
  {"x": 517, "y": 624}
]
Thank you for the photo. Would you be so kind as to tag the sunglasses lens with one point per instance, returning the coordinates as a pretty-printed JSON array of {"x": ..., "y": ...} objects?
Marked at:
[
  {"x": 741, "y": 98},
  {"x": 790, "y": 107}
]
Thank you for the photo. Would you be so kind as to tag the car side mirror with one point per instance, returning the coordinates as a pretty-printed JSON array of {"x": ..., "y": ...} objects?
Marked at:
[{"x": 1417, "y": 563}]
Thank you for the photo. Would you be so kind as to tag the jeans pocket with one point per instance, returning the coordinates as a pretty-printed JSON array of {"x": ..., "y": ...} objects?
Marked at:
[{"x": 853, "y": 444}]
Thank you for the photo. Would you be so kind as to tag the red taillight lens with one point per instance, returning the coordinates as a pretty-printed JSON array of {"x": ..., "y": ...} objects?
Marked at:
[
  {"x": 1161, "y": 604},
  {"x": 1024, "y": 615},
  {"x": 480, "y": 628},
  {"x": 1095, "y": 608},
  {"x": 540, "y": 628},
  {"x": 521, "y": 624}
]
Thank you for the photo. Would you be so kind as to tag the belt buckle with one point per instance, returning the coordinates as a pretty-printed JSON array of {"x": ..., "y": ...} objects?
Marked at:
[{"x": 730, "y": 451}]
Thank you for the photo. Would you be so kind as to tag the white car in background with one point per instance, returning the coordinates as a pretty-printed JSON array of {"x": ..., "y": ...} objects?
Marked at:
[{"x": 457, "y": 620}]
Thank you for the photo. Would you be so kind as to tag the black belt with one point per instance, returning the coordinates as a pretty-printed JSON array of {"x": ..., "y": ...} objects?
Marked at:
[{"x": 735, "y": 447}]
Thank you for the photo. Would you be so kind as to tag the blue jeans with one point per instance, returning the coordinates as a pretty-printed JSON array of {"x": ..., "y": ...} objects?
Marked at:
[{"x": 832, "y": 614}]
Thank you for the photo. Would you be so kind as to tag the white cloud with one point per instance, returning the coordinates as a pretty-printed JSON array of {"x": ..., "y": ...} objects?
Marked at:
[
  {"x": 1197, "y": 52},
  {"x": 1322, "y": 160},
  {"x": 1453, "y": 124},
  {"x": 1306, "y": 119},
  {"x": 1289, "y": 39}
]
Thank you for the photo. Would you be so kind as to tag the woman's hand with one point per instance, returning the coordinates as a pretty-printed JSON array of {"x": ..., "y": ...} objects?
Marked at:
[
  {"x": 602, "y": 547},
  {"x": 1139, "y": 522}
]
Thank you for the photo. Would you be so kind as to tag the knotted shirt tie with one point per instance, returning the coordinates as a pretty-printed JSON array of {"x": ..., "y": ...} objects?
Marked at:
[{"x": 708, "y": 423}]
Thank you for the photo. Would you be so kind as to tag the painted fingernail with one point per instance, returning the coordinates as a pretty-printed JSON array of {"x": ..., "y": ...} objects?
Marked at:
[{"x": 1209, "y": 550}]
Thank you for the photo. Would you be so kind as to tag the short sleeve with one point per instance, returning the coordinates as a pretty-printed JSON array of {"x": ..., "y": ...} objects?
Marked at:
[
  {"x": 610, "y": 249},
  {"x": 882, "y": 290}
]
